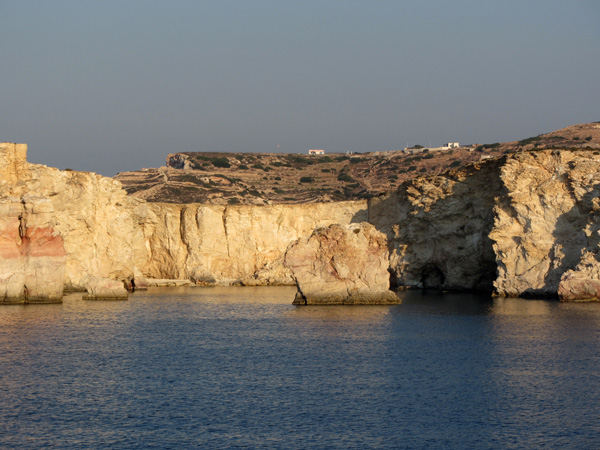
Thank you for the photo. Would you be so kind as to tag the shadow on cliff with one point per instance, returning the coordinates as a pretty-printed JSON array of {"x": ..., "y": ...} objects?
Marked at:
[
  {"x": 570, "y": 240},
  {"x": 439, "y": 227}
]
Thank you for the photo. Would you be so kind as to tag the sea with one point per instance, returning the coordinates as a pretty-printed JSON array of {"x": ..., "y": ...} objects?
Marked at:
[{"x": 242, "y": 368}]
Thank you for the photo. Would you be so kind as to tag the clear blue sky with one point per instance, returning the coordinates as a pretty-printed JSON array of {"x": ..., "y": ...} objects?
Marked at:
[{"x": 109, "y": 86}]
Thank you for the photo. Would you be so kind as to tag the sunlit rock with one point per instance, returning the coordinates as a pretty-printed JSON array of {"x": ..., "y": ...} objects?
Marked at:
[{"x": 341, "y": 265}]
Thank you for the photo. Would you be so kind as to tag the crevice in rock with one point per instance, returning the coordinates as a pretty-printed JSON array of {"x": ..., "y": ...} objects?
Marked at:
[{"x": 224, "y": 217}]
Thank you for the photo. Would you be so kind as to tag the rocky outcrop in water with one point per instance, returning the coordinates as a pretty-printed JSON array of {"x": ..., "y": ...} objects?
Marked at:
[
  {"x": 80, "y": 230},
  {"x": 341, "y": 265},
  {"x": 438, "y": 229},
  {"x": 58, "y": 227},
  {"x": 522, "y": 225},
  {"x": 546, "y": 221}
]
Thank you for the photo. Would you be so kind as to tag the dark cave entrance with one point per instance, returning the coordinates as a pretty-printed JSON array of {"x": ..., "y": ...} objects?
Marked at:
[{"x": 432, "y": 277}]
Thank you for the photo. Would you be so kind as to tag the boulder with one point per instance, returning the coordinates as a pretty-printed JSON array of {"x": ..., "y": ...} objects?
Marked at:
[
  {"x": 583, "y": 282},
  {"x": 99, "y": 288},
  {"x": 341, "y": 264}
]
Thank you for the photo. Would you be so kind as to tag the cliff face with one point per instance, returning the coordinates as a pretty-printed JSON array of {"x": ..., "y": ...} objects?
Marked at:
[
  {"x": 231, "y": 244},
  {"x": 79, "y": 230},
  {"x": 547, "y": 221},
  {"x": 63, "y": 226},
  {"x": 438, "y": 228},
  {"x": 523, "y": 225}
]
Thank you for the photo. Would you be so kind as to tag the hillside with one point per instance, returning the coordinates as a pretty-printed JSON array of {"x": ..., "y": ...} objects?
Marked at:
[{"x": 269, "y": 178}]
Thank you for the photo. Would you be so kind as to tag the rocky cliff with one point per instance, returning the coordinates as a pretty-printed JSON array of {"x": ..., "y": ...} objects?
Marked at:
[
  {"x": 58, "y": 227},
  {"x": 438, "y": 228},
  {"x": 546, "y": 223},
  {"x": 231, "y": 244},
  {"x": 524, "y": 224},
  {"x": 81, "y": 230},
  {"x": 521, "y": 225}
]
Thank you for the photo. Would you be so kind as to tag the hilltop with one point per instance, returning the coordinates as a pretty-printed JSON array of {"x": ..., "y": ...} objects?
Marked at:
[{"x": 273, "y": 178}]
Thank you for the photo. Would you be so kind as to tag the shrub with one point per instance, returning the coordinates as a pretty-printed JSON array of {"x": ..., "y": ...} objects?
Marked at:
[
  {"x": 345, "y": 177},
  {"x": 306, "y": 179},
  {"x": 455, "y": 163},
  {"x": 233, "y": 201},
  {"x": 354, "y": 160},
  {"x": 529, "y": 140},
  {"x": 221, "y": 162},
  {"x": 243, "y": 167}
]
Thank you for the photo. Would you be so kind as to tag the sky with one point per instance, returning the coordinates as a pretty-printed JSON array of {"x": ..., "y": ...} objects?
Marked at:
[{"x": 111, "y": 86}]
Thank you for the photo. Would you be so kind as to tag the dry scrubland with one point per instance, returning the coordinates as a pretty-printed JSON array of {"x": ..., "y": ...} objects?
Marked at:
[{"x": 268, "y": 178}]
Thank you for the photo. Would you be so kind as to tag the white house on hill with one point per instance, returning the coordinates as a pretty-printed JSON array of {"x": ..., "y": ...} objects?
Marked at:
[{"x": 316, "y": 152}]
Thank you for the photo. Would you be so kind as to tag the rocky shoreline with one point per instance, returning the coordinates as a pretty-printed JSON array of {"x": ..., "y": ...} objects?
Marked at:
[{"x": 524, "y": 224}]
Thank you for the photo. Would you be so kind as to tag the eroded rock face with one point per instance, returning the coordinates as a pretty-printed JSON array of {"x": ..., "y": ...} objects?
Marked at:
[
  {"x": 108, "y": 235},
  {"x": 522, "y": 225},
  {"x": 438, "y": 229},
  {"x": 74, "y": 224},
  {"x": 212, "y": 244},
  {"x": 546, "y": 222},
  {"x": 341, "y": 265},
  {"x": 32, "y": 262}
]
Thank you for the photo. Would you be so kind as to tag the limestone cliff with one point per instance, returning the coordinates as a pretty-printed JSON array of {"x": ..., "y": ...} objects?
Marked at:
[
  {"x": 231, "y": 244},
  {"x": 81, "y": 230},
  {"x": 438, "y": 228},
  {"x": 516, "y": 225},
  {"x": 546, "y": 221},
  {"x": 58, "y": 227},
  {"x": 525, "y": 224}
]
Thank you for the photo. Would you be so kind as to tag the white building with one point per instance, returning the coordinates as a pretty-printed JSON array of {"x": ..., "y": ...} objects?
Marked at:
[
  {"x": 447, "y": 146},
  {"x": 316, "y": 152}
]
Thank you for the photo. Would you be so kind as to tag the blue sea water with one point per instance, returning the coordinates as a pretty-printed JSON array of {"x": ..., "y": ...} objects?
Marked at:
[{"x": 241, "y": 368}]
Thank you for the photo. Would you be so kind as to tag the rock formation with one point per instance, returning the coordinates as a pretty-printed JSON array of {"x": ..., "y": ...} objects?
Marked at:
[
  {"x": 82, "y": 226},
  {"x": 341, "y": 265},
  {"x": 212, "y": 244},
  {"x": 545, "y": 221},
  {"x": 438, "y": 229},
  {"x": 104, "y": 289},
  {"x": 59, "y": 227},
  {"x": 525, "y": 224},
  {"x": 515, "y": 225}
]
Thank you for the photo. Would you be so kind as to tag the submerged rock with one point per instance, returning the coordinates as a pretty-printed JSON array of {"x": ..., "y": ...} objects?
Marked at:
[{"x": 341, "y": 264}]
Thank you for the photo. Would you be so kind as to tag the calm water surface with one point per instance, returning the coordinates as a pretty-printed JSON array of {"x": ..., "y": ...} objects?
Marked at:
[{"x": 240, "y": 368}]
